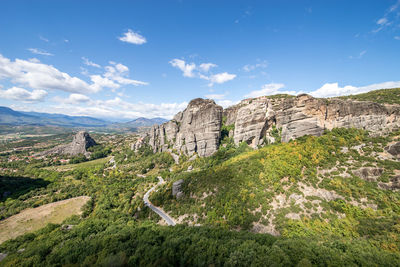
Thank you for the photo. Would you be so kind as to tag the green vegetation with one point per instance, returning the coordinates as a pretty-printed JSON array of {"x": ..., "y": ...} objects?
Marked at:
[
  {"x": 239, "y": 190},
  {"x": 383, "y": 96},
  {"x": 277, "y": 96},
  {"x": 307, "y": 190}
]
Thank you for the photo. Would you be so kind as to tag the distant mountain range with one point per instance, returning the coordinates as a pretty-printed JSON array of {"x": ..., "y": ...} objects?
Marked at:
[
  {"x": 11, "y": 117},
  {"x": 143, "y": 122}
]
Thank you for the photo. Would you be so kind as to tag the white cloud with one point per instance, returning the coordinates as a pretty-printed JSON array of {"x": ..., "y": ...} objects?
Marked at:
[
  {"x": 397, "y": 37},
  {"x": 382, "y": 21},
  {"x": 100, "y": 82},
  {"x": 226, "y": 103},
  {"x": 87, "y": 62},
  {"x": 187, "y": 69},
  {"x": 390, "y": 18},
  {"x": 114, "y": 108},
  {"x": 267, "y": 89},
  {"x": 118, "y": 73},
  {"x": 221, "y": 78},
  {"x": 34, "y": 60},
  {"x": 40, "y": 52},
  {"x": 73, "y": 99},
  {"x": 271, "y": 89},
  {"x": 41, "y": 76},
  {"x": 333, "y": 89},
  {"x": 250, "y": 67},
  {"x": 21, "y": 94},
  {"x": 360, "y": 55},
  {"x": 43, "y": 39},
  {"x": 205, "y": 67},
  {"x": 132, "y": 37},
  {"x": 192, "y": 71},
  {"x": 327, "y": 90},
  {"x": 216, "y": 96}
]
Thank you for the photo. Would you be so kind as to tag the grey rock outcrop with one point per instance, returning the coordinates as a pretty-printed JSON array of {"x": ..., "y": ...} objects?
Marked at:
[
  {"x": 197, "y": 129},
  {"x": 306, "y": 115},
  {"x": 79, "y": 145},
  {"x": 176, "y": 189},
  {"x": 369, "y": 173},
  {"x": 394, "y": 150}
]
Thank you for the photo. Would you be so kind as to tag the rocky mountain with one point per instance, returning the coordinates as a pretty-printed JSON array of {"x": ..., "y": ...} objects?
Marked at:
[
  {"x": 9, "y": 116},
  {"x": 140, "y": 122},
  {"x": 79, "y": 145},
  {"x": 256, "y": 121}
]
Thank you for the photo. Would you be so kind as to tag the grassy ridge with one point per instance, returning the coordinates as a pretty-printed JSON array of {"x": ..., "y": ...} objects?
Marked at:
[{"x": 383, "y": 96}]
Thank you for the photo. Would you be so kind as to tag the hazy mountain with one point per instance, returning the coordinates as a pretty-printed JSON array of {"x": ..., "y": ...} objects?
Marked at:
[
  {"x": 9, "y": 116},
  {"x": 141, "y": 122}
]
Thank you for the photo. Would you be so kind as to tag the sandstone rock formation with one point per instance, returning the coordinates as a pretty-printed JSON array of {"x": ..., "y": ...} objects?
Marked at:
[
  {"x": 79, "y": 145},
  {"x": 254, "y": 119},
  {"x": 197, "y": 129},
  {"x": 263, "y": 119}
]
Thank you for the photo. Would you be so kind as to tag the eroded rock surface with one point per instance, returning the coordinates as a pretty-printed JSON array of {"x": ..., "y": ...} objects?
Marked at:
[
  {"x": 197, "y": 129},
  {"x": 176, "y": 189},
  {"x": 254, "y": 119},
  {"x": 263, "y": 119},
  {"x": 79, "y": 145},
  {"x": 394, "y": 150}
]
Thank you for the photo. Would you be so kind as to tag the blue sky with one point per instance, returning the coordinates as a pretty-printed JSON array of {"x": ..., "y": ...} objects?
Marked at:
[{"x": 126, "y": 59}]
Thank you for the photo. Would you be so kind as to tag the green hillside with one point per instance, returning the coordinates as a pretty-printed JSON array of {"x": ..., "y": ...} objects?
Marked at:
[
  {"x": 311, "y": 194},
  {"x": 383, "y": 96}
]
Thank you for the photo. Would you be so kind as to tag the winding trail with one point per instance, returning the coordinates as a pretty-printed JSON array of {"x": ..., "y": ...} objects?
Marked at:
[{"x": 157, "y": 210}]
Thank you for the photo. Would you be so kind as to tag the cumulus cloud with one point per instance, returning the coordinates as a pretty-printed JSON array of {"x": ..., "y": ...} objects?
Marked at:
[
  {"x": 333, "y": 89},
  {"x": 100, "y": 82},
  {"x": 226, "y": 103},
  {"x": 205, "y": 67},
  {"x": 327, "y": 90},
  {"x": 187, "y": 69},
  {"x": 39, "y": 76},
  {"x": 221, "y": 78},
  {"x": 40, "y": 52},
  {"x": 132, "y": 37},
  {"x": 87, "y": 62},
  {"x": 114, "y": 108},
  {"x": 119, "y": 73},
  {"x": 270, "y": 89},
  {"x": 21, "y": 94},
  {"x": 72, "y": 99},
  {"x": 191, "y": 70}
]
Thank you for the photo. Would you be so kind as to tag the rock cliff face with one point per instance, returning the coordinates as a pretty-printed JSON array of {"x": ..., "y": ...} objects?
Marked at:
[
  {"x": 79, "y": 145},
  {"x": 197, "y": 129},
  {"x": 263, "y": 119},
  {"x": 256, "y": 119}
]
